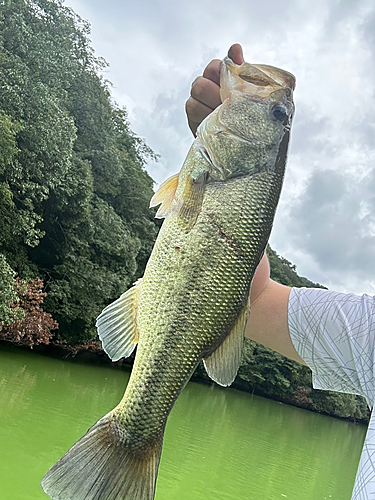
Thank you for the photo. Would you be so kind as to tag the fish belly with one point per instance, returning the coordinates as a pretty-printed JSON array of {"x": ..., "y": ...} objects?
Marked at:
[{"x": 194, "y": 288}]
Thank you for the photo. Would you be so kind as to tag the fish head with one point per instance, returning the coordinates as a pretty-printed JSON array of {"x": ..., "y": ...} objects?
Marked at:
[
  {"x": 255, "y": 97},
  {"x": 254, "y": 79},
  {"x": 246, "y": 132}
]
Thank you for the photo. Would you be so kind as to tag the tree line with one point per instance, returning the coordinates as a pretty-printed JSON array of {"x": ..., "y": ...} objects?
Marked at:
[
  {"x": 74, "y": 192},
  {"x": 75, "y": 227}
]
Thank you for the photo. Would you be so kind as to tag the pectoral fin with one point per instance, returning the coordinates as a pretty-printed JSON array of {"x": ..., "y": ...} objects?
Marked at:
[
  {"x": 117, "y": 327},
  {"x": 222, "y": 366},
  {"x": 192, "y": 201},
  {"x": 165, "y": 195}
]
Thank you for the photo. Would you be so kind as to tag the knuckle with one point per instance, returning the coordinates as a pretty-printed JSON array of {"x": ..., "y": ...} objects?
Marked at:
[
  {"x": 212, "y": 71},
  {"x": 189, "y": 105},
  {"x": 193, "y": 109},
  {"x": 199, "y": 87}
]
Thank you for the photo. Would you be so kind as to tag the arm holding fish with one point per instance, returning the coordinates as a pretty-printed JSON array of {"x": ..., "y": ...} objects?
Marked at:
[{"x": 268, "y": 320}]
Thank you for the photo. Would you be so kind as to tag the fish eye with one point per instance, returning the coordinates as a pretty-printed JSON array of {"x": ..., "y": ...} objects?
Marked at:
[{"x": 279, "y": 112}]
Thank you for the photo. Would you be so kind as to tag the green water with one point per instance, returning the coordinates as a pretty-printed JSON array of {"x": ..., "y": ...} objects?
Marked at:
[{"x": 220, "y": 444}]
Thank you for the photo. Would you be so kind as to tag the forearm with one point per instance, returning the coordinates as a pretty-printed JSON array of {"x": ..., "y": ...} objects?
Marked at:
[
  {"x": 261, "y": 279},
  {"x": 268, "y": 320}
]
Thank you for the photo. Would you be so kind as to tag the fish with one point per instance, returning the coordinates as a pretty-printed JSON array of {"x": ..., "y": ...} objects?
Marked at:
[{"x": 193, "y": 301}]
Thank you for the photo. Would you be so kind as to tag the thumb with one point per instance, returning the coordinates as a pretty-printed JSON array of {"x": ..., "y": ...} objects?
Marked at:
[{"x": 236, "y": 54}]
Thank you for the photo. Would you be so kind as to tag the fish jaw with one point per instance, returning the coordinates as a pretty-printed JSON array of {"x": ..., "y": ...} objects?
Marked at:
[{"x": 252, "y": 79}]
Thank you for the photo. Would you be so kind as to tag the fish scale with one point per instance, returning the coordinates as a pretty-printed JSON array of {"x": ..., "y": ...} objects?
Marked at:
[
  {"x": 193, "y": 300},
  {"x": 237, "y": 240}
]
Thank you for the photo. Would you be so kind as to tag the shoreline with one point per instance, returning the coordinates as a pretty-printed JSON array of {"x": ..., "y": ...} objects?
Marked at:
[{"x": 92, "y": 353}]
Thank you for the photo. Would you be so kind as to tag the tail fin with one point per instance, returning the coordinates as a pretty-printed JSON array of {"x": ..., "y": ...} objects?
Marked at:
[{"x": 101, "y": 467}]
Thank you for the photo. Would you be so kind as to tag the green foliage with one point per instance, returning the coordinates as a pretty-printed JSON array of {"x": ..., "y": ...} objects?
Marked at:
[
  {"x": 46, "y": 133},
  {"x": 8, "y": 295},
  {"x": 8, "y": 146},
  {"x": 339, "y": 404},
  {"x": 284, "y": 272},
  {"x": 98, "y": 263},
  {"x": 267, "y": 371},
  {"x": 73, "y": 189}
]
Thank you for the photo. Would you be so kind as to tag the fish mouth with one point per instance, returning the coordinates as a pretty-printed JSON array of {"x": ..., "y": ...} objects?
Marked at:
[{"x": 257, "y": 80}]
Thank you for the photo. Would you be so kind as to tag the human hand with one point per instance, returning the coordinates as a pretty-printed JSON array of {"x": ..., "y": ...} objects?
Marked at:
[{"x": 205, "y": 90}]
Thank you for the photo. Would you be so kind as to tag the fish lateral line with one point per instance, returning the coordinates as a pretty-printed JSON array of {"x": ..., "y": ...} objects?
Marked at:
[{"x": 228, "y": 239}]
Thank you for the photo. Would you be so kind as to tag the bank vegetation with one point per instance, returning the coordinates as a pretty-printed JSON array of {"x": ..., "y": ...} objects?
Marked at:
[{"x": 75, "y": 227}]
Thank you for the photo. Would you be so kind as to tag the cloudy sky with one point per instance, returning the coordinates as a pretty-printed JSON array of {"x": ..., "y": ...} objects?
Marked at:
[{"x": 325, "y": 223}]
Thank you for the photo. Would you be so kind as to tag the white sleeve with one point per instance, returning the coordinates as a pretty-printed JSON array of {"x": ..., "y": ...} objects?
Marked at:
[{"x": 334, "y": 333}]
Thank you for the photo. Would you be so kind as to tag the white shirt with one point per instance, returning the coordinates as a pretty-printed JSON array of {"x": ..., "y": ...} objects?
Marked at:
[{"x": 334, "y": 333}]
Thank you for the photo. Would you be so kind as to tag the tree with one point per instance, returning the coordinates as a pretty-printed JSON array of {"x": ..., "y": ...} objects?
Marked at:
[
  {"x": 73, "y": 188},
  {"x": 35, "y": 326},
  {"x": 284, "y": 272},
  {"x": 9, "y": 301}
]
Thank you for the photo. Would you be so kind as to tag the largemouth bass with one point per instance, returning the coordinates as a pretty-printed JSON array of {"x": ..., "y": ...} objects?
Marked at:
[{"x": 193, "y": 300}]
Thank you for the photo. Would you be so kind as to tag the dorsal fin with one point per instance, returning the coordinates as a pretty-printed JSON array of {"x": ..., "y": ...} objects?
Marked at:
[
  {"x": 222, "y": 366},
  {"x": 117, "y": 326},
  {"x": 165, "y": 195}
]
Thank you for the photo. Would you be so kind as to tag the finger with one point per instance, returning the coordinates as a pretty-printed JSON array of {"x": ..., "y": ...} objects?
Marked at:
[
  {"x": 193, "y": 127},
  {"x": 236, "y": 54},
  {"x": 206, "y": 92},
  {"x": 212, "y": 71},
  {"x": 196, "y": 111}
]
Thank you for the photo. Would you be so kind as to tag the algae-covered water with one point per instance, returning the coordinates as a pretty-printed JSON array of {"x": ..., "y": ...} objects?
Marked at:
[{"x": 220, "y": 444}]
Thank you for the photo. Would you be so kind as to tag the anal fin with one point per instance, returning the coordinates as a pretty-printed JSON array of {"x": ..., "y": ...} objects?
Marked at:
[
  {"x": 222, "y": 366},
  {"x": 117, "y": 326}
]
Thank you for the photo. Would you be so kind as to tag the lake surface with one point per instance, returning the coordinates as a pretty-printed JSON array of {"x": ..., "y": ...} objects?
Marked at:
[{"x": 220, "y": 444}]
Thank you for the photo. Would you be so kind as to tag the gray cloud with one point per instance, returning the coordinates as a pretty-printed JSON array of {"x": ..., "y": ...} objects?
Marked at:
[
  {"x": 333, "y": 222},
  {"x": 324, "y": 223},
  {"x": 166, "y": 126},
  {"x": 308, "y": 130}
]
